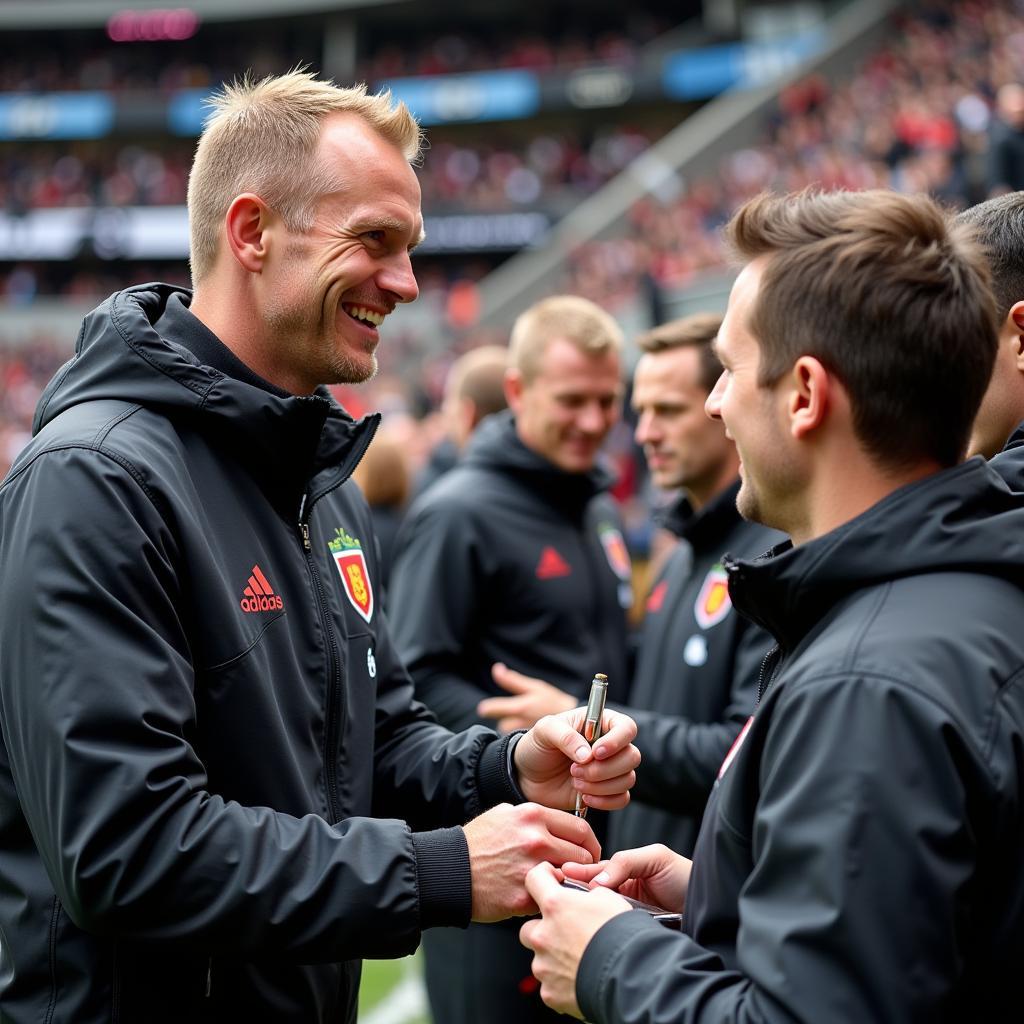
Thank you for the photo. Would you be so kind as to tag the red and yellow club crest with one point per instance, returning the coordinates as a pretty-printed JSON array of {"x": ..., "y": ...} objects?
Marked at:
[
  {"x": 347, "y": 552},
  {"x": 615, "y": 551},
  {"x": 713, "y": 601}
]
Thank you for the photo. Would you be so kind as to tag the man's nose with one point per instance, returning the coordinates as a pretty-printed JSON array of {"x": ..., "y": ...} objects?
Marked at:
[
  {"x": 713, "y": 405},
  {"x": 398, "y": 278}
]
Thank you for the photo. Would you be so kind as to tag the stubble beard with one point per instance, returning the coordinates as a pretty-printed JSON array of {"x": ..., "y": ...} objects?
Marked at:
[{"x": 326, "y": 350}]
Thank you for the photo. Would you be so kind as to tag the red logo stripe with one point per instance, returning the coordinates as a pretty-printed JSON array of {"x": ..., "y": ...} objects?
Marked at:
[
  {"x": 263, "y": 582},
  {"x": 257, "y": 589}
]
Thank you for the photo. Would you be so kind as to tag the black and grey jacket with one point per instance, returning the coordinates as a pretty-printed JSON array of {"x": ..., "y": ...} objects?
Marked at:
[
  {"x": 210, "y": 751},
  {"x": 696, "y": 677},
  {"x": 508, "y": 558},
  {"x": 860, "y": 857}
]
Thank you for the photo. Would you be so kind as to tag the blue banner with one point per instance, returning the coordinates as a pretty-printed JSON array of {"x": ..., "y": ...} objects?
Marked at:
[
  {"x": 56, "y": 115},
  {"x": 698, "y": 74},
  {"x": 483, "y": 96}
]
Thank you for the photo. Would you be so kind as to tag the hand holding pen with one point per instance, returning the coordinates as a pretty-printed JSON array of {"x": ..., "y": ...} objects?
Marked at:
[{"x": 592, "y": 725}]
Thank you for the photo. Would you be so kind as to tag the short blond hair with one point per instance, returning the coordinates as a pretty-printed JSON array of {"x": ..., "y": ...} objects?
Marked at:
[
  {"x": 262, "y": 137},
  {"x": 579, "y": 321}
]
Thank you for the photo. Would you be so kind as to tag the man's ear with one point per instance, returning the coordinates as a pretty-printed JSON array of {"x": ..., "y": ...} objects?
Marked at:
[
  {"x": 513, "y": 387},
  {"x": 809, "y": 396},
  {"x": 1016, "y": 315},
  {"x": 246, "y": 224}
]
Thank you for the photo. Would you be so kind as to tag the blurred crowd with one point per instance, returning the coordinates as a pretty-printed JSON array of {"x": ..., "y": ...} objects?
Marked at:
[
  {"x": 932, "y": 111},
  {"x": 504, "y": 172},
  {"x": 925, "y": 113},
  {"x": 89, "y": 62}
]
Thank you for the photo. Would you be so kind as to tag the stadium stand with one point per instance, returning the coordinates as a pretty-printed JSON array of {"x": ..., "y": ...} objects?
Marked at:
[{"x": 601, "y": 161}]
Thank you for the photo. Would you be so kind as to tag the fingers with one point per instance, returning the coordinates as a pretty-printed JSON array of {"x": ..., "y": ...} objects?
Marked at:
[
  {"x": 499, "y": 707},
  {"x": 541, "y": 882},
  {"x": 574, "y": 838},
  {"x": 639, "y": 863},
  {"x": 619, "y": 732},
  {"x": 608, "y": 794},
  {"x": 583, "y": 872},
  {"x": 509, "y": 679}
]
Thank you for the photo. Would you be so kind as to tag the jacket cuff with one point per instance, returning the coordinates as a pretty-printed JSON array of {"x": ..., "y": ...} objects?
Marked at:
[
  {"x": 442, "y": 875},
  {"x": 600, "y": 956},
  {"x": 495, "y": 773}
]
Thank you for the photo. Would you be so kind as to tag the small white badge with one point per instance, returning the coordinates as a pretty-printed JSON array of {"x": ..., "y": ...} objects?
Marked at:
[
  {"x": 371, "y": 663},
  {"x": 696, "y": 650}
]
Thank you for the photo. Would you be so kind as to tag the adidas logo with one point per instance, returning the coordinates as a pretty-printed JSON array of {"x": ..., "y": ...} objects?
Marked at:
[
  {"x": 259, "y": 595},
  {"x": 552, "y": 565}
]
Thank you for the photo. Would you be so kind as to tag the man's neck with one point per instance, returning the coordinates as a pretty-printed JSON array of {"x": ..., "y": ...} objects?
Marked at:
[
  {"x": 702, "y": 492},
  {"x": 850, "y": 490}
]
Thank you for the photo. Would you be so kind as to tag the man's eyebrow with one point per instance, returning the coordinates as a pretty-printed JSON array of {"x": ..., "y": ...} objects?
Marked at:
[{"x": 398, "y": 227}]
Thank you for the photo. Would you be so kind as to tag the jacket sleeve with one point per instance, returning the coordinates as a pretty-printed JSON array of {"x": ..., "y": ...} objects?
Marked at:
[
  {"x": 862, "y": 864},
  {"x": 97, "y": 691},
  {"x": 434, "y": 620},
  {"x": 681, "y": 758},
  {"x": 423, "y": 772}
]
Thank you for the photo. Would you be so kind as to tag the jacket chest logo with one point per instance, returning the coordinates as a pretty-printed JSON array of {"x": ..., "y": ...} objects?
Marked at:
[
  {"x": 347, "y": 552},
  {"x": 713, "y": 602},
  {"x": 657, "y": 597},
  {"x": 258, "y": 595},
  {"x": 615, "y": 551},
  {"x": 551, "y": 565}
]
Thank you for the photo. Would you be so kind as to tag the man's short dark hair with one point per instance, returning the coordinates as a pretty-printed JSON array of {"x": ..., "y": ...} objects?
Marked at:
[
  {"x": 999, "y": 226},
  {"x": 891, "y": 296},
  {"x": 696, "y": 331}
]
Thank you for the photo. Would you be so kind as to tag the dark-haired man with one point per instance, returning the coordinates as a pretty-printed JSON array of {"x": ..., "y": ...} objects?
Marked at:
[
  {"x": 999, "y": 226},
  {"x": 696, "y": 678},
  {"x": 860, "y": 855}
]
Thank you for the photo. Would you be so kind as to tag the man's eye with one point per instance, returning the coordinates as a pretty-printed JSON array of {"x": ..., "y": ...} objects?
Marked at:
[{"x": 375, "y": 236}]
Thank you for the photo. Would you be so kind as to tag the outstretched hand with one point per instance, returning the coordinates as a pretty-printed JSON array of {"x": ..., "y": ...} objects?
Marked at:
[
  {"x": 651, "y": 874},
  {"x": 532, "y": 699},
  {"x": 569, "y": 920},
  {"x": 506, "y": 842},
  {"x": 554, "y": 762}
]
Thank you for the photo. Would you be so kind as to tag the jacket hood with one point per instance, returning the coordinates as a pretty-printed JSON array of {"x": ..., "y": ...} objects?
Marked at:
[
  {"x": 124, "y": 354},
  {"x": 496, "y": 445},
  {"x": 964, "y": 519},
  {"x": 1009, "y": 463}
]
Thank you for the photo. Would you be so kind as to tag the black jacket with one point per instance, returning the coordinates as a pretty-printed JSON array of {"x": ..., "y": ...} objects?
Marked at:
[
  {"x": 860, "y": 858},
  {"x": 1009, "y": 463},
  {"x": 508, "y": 558},
  {"x": 208, "y": 739},
  {"x": 696, "y": 677}
]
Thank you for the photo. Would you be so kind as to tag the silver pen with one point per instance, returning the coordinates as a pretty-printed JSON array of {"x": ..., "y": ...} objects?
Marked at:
[{"x": 592, "y": 724}]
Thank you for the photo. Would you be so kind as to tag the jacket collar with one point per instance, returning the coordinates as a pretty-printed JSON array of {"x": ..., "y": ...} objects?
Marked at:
[
  {"x": 709, "y": 526},
  {"x": 963, "y": 519},
  {"x": 496, "y": 445},
  {"x": 128, "y": 350}
]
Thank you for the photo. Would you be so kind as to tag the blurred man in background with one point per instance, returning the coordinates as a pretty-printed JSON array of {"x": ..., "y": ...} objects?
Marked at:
[
  {"x": 860, "y": 855},
  {"x": 999, "y": 225},
  {"x": 515, "y": 555},
  {"x": 1006, "y": 141},
  {"x": 699, "y": 661},
  {"x": 473, "y": 390}
]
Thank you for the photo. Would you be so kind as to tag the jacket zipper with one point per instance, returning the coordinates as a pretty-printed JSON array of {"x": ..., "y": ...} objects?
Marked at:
[
  {"x": 763, "y": 680},
  {"x": 332, "y": 711}
]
